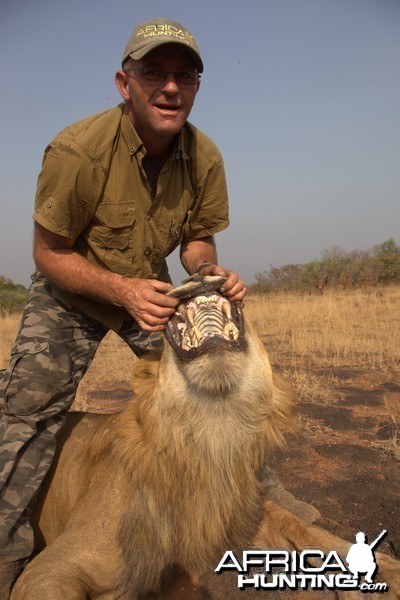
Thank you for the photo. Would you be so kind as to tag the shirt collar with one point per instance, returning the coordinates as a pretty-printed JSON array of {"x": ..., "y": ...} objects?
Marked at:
[
  {"x": 183, "y": 143},
  {"x": 130, "y": 134}
]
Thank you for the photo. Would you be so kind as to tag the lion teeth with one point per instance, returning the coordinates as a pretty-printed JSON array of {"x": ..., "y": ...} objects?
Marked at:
[
  {"x": 206, "y": 300},
  {"x": 231, "y": 331},
  {"x": 193, "y": 337},
  {"x": 208, "y": 316},
  {"x": 226, "y": 309},
  {"x": 190, "y": 313}
]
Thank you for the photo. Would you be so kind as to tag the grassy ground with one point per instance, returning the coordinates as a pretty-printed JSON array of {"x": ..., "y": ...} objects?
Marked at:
[{"x": 334, "y": 329}]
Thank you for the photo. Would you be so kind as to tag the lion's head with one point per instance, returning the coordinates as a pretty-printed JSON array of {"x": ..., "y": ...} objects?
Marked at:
[{"x": 207, "y": 335}]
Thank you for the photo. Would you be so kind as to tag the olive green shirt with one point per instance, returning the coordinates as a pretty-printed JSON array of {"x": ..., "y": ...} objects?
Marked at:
[{"x": 93, "y": 189}]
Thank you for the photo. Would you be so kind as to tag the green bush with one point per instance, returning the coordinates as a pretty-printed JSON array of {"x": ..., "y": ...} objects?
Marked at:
[
  {"x": 379, "y": 265},
  {"x": 12, "y": 296}
]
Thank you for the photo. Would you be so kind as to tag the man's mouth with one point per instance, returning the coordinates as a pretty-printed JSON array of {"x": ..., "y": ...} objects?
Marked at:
[
  {"x": 204, "y": 319},
  {"x": 171, "y": 108}
]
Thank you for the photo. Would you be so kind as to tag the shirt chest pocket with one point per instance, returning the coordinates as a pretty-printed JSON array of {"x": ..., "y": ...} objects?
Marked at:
[{"x": 111, "y": 237}]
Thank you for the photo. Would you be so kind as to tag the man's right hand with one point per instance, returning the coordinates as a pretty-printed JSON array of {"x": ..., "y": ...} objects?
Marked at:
[{"x": 146, "y": 301}]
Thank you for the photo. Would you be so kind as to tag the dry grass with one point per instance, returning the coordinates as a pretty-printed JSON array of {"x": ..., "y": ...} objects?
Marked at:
[
  {"x": 303, "y": 333},
  {"x": 394, "y": 442},
  {"x": 316, "y": 336},
  {"x": 8, "y": 329},
  {"x": 332, "y": 330}
]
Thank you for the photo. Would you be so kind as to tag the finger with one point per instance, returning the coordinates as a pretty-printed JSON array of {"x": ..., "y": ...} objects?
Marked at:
[
  {"x": 146, "y": 327},
  {"x": 237, "y": 291},
  {"x": 238, "y": 297},
  {"x": 152, "y": 311},
  {"x": 212, "y": 270},
  {"x": 232, "y": 281},
  {"x": 217, "y": 270},
  {"x": 165, "y": 302},
  {"x": 159, "y": 296},
  {"x": 150, "y": 296},
  {"x": 151, "y": 320},
  {"x": 236, "y": 294},
  {"x": 161, "y": 286}
]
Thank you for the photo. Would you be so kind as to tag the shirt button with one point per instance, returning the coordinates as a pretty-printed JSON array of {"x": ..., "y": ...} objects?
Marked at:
[{"x": 147, "y": 253}]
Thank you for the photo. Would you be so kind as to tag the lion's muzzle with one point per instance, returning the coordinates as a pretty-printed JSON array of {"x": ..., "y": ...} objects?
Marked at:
[{"x": 204, "y": 319}]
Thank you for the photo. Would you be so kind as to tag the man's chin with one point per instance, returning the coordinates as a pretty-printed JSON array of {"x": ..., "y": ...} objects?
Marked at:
[{"x": 170, "y": 125}]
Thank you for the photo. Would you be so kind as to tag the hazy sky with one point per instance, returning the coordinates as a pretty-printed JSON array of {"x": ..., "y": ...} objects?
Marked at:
[{"x": 301, "y": 96}]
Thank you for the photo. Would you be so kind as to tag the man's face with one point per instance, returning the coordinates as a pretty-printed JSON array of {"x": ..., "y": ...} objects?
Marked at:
[{"x": 158, "y": 110}]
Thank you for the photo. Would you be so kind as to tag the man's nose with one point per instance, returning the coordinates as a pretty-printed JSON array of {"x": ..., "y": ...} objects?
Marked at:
[{"x": 169, "y": 85}]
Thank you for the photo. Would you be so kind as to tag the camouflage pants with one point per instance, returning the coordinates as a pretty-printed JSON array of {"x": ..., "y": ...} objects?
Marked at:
[{"x": 54, "y": 347}]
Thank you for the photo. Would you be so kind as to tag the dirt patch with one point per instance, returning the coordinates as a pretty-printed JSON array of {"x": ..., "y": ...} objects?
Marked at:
[
  {"x": 349, "y": 463},
  {"x": 345, "y": 461}
]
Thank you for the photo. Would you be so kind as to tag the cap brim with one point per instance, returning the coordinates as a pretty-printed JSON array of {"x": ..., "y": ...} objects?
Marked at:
[{"x": 141, "y": 52}]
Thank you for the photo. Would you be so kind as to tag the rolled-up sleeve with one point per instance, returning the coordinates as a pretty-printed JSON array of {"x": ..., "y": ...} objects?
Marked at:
[{"x": 67, "y": 190}]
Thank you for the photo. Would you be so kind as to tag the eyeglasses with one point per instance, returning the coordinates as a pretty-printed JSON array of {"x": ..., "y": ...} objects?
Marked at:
[{"x": 159, "y": 75}]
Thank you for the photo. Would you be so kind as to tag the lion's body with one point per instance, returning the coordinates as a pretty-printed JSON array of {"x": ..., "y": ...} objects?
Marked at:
[{"x": 170, "y": 480}]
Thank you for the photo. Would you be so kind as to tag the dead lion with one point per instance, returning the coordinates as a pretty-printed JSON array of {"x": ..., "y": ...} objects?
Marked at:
[{"x": 172, "y": 480}]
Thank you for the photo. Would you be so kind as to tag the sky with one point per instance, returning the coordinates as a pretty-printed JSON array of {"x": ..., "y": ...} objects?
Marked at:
[{"x": 302, "y": 97}]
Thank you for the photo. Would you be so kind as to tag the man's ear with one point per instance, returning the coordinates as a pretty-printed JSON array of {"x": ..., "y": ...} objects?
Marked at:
[{"x": 121, "y": 81}]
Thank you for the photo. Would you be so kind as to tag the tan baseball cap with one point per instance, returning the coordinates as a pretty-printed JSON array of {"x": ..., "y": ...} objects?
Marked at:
[{"x": 151, "y": 34}]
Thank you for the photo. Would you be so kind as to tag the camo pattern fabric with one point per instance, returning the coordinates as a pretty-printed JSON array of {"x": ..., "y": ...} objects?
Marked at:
[{"x": 54, "y": 347}]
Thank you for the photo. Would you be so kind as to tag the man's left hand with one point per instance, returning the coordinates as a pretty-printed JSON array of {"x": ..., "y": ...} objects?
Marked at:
[{"x": 234, "y": 288}]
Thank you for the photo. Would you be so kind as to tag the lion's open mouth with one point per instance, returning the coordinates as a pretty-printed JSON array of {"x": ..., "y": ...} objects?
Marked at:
[{"x": 204, "y": 319}]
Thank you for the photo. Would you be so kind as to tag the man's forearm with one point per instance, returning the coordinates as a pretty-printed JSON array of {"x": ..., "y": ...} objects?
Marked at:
[
  {"x": 71, "y": 272},
  {"x": 55, "y": 257},
  {"x": 195, "y": 253},
  {"x": 144, "y": 299}
]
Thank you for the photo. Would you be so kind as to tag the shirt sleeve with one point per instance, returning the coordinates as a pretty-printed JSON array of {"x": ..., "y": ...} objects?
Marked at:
[
  {"x": 68, "y": 189},
  {"x": 210, "y": 213}
]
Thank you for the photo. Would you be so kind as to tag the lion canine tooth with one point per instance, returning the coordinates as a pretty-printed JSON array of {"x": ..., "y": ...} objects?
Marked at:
[
  {"x": 190, "y": 314},
  {"x": 198, "y": 334},
  {"x": 230, "y": 330},
  {"x": 195, "y": 336},
  {"x": 226, "y": 309}
]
